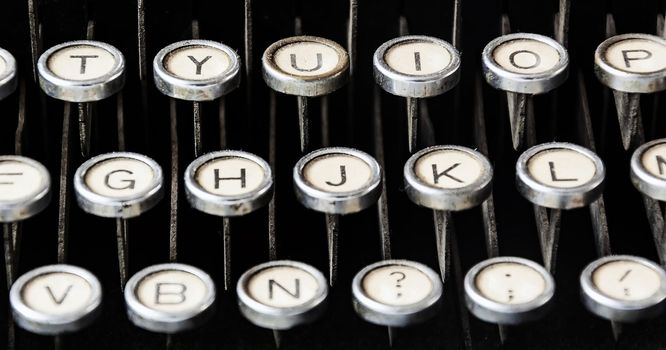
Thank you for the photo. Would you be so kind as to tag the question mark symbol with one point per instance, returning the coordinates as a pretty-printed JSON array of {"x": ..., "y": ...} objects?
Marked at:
[{"x": 397, "y": 282}]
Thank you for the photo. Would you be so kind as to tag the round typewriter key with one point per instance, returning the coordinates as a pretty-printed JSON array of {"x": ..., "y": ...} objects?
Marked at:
[
  {"x": 396, "y": 293},
  {"x": 508, "y": 290},
  {"x": 647, "y": 169},
  {"x": 525, "y": 63},
  {"x": 305, "y": 66},
  {"x": 448, "y": 178},
  {"x": 81, "y": 71},
  {"x": 415, "y": 67},
  {"x": 282, "y": 294},
  {"x": 337, "y": 181},
  {"x": 634, "y": 63},
  {"x": 228, "y": 183},
  {"x": 25, "y": 188},
  {"x": 120, "y": 185},
  {"x": 55, "y": 299},
  {"x": 560, "y": 175},
  {"x": 170, "y": 298},
  {"x": 8, "y": 75},
  {"x": 623, "y": 288},
  {"x": 196, "y": 70}
]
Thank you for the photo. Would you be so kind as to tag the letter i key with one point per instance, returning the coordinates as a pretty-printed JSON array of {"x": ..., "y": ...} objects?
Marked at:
[
  {"x": 337, "y": 181},
  {"x": 631, "y": 64},
  {"x": 196, "y": 70},
  {"x": 555, "y": 176},
  {"x": 523, "y": 65},
  {"x": 416, "y": 67},
  {"x": 82, "y": 71},
  {"x": 228, "y": 183},
  {"x": 447, "y": 178},
  {"x": 119, "y": 185},
  {"x": 282, "y": 294},
  {"x": 305, "y": 66}
]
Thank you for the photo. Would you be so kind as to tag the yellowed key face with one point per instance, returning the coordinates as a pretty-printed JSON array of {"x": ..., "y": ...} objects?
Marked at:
[
  {"x": 654, "y": 161},
  {"x": 197, "y": 62},
  {"x": 283, "y": 287},
  {"x": 397, "y": 285},
  {"x": 230, "y": 176},
  {"x": 418, "y": 58},
  {"x": 526, "y": 56},
  {"x": 510, "y": 283},
  {"x": 626, "y": 280},
  {"x": 637, "y": 55},
  {"x": 172, "y": 291},
  {"x": 20, "y": 181},
  {"x": 337, "y": 173},
  {"x": 81, "y": 62},
  {"x": 561, "y": 168},
  {"x": 306, "y": 59},
  {"x": 57, "y": 293},
  {"x": 120, "y": 178},
  {"x": 448, "y": 169}
]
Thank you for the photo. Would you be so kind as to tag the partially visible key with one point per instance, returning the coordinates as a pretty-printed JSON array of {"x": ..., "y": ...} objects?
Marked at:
[
  {"x": 416, "y": 67},
  {"x": 56, "y": 299},
  {"x": 8, "y": 74},
  {"x": 337, "y": 181},
  {"x": 508, "y": 290},
  {"x": 523, "y": 65},
  {"x": 631, "y": 65},
  {"x": 170, "y": 298},
  {"x": 282, "y": 294},
  {"x": 119, "y": 185},
  {"x": 624, "y": 288},
  {"x": 305, "y": 66}
]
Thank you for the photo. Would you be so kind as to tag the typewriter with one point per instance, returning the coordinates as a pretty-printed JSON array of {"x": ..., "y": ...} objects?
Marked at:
[{"x": 352, "y": 174}]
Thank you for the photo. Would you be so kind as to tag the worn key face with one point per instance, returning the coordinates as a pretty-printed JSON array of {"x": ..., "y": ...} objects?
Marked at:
[
  {"x": 396, "y": 292},
  {"x": 525, "y": 63},
  {"x": 282, "y": 294},
  {"x": 634, "y": 63},
  {"x": 81, "y": 71},
  {"x": 121, "y": 184},
  {"x": 337, "y": 180},
  {"x": 560, "y": 175},
  {"x": 305, "y": 66},
  {"x": 448, "y": 178},
  {"x": 508, "y": 290},
  {"x": 8, "y": 74},
  {"x": 228, "y": 183},
  {"x": 25, "y": 188},
  {"x": 169, "y": 298},
  {"x": 196, "y": 70},
  {"x": 416, "y": 66},
  {"x": 56, "y": 299},
  {"x": 648, "y": 169},
  {"x": 624, "y": 288}
]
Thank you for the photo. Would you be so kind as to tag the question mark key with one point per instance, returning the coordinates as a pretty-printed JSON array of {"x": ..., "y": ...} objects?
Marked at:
[{"x": 396, "y": 293}]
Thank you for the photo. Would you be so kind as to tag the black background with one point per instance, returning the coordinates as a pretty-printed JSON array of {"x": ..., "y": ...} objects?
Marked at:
[{"x": 301, "y": 233}]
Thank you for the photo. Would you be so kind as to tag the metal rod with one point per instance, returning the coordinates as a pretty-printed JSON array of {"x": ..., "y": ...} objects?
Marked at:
[
  {"x": 247, "y": 35},
  {"x": 303, "y": 123},
  {"x": 392, "y": 335},
  {"x": 332, "y": 232},
  {"x": 63, "y": 195},
  {"x": 272, "y": 159},
  {"x": 325, "y": 122},
  {"x": 222, "y": 117},
  {"x": 562, "y": 29},
  {"x": 412, "y": 123},
  {"x": 441, "y": 222},
  {"x": 548, "y": 225},
  {"x": 382, "y": 207},
  {"x": 121, "y": 240},
  {"x": 277, "y": 338},
  {"x": 196, "y": 113},
  {"x": 84, "y": 128},
  {"x": 141, "y": 38},
  {"x": 629, "y": 116},
  {"x": 120, "y": 117},
  {"x": 226, "y": 247},
  {"x": 457, "y": 24},
  {"x": 517, "y": 113},
  {"x": 173, "y": 223},
  {"x": 460, "y": 289},
  {"x": 9, "y": 253},
  {"x": 352, "y": 35},
  {"x": 35, "y": 37},
  {"x": 20, "y": 124}
]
